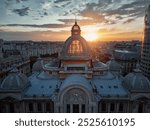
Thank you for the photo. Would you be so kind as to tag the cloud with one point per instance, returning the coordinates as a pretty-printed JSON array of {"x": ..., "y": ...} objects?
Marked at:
[
  {"x": 45, "y": 13},
  {"x": 47, "y": 5},
  {"x": 94, "y": 14},
  {"x": 81, "y": 22},
  {"x": 58, "y": 1},
  {"x": 113, "y": 11},
  {"x": 53, "y": 36},
  {"x": 132, "y": 9},
  {"x": 18, "y": 1},
  {"x": 1, "y": 30},
  {"x": 8, "y": 2},
  {"x": 89, "y": 12},
  {"x": 136, "y": 4},
  {"x": 119, "y": 17},
  {"x": 35, "y": 25},
  {"x": 35, "y": 35},
  {"x": 129, "y": 20},
  {"x": 22, "y": 12},
  {"x": 105, "y": 3}
]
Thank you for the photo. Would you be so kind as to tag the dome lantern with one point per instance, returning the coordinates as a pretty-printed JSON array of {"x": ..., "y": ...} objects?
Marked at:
[{"x": 75, "y": 29}]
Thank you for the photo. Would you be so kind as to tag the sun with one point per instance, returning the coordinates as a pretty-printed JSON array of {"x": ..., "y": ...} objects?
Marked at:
[{"x": 91, "y": 36}]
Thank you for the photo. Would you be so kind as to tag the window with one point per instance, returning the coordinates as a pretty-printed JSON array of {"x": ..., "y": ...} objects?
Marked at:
[
  {"x": 76, "y": 28},
  {"x": 83, "y": 108},
  {"x": 11, "y": 108},
  {"x": 112, "y": 107},
  {"x": 48, "y": 107},
  {"x": 140, "y": 108},
  {"x": 121, "y": 107},
  {"x": 103, "y": 107},
  {"x": 30, "y": 107},
  {"x": 39, "y": 107},
  {"x": 68, "y": 108},
  {"x": 75, "y": 108},
  {"x": 75, "y": 68},
  {"x": 75, "y": 47}
]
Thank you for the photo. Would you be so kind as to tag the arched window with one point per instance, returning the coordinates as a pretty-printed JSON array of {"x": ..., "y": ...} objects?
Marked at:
[
  {"x": 75, "y": 47},
  {"x": 11, "y": 107},
  {"x": 140, "y": 108},
  {"x": 103, "y": 107}
]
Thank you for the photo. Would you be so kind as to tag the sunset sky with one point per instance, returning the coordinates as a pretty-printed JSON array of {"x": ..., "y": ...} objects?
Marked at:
[{"x": 53, "y": 19}]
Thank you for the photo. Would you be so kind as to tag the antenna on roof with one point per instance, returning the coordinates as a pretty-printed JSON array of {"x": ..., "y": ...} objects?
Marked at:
[{"x": 75, "y": 12}]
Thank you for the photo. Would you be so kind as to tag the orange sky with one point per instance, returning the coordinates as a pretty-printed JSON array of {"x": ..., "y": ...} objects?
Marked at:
[{"x": 104, "y": 20}]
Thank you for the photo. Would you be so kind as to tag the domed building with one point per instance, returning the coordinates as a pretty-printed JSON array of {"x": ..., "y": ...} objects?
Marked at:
[
  {"x": 75, "y": 83},
  {"x": 11, "y": 91},
  {"x": 114, "y": 66},
  {"x": 127, "y": 59},
  {"x": 15, "y": 81},
  {"x": 76, "y": 46},
  {"x": 37, "y": 66},
  {"x": 136, "y": 82},
  {"x": 139, "y": 87}
]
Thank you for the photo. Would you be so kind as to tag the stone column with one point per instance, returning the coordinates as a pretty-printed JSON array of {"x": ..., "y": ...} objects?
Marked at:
[
  {"x": 71, "y": 108},
  {"x": 108, "y": 107},
  {"x": 117, "y": 107}
]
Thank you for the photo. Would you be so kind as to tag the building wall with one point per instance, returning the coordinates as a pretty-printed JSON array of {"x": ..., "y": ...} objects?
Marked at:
[
  {"x": 23, "y": 65},
  {"x": 145, "y": 54},
  {"x": 10, "y": 105},
  {"x": 127, "y": 66},
  {"x": 47, "y": 106},
  {"x": 1, "y": 48}
]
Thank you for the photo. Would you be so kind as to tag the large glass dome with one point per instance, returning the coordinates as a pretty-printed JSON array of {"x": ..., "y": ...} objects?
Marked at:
[{"x": 76, "y": 46}]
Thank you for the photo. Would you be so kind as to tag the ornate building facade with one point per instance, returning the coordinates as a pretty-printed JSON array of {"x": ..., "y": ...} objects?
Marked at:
[{"x": 75, "y": 83}]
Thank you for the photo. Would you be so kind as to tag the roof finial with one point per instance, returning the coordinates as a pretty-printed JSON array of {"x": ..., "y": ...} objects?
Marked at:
[
  {"x": 14, "y": 69},
  {"x": 75, "y": 19},
  {"x": 137, "y": 69},
  {"x": 112, "y": 57}
]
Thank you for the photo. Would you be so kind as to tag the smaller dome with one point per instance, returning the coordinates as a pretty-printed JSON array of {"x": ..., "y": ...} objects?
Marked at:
[
  {"x": 113, "y": 65},
  {"x": 15, "y": 81},
  {"x": 37, "y": 66},
  {"x": 136, "y": 81}
]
